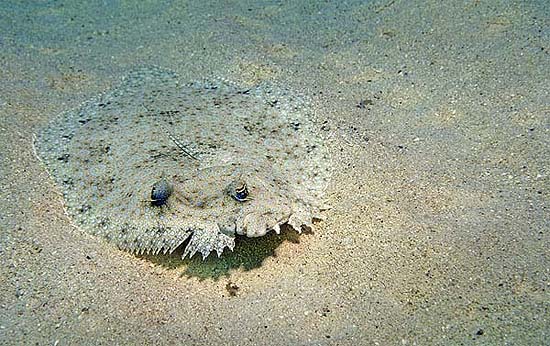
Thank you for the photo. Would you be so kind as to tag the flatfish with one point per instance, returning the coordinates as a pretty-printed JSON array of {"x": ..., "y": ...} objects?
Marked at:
[{"x": 157, "y": 161}]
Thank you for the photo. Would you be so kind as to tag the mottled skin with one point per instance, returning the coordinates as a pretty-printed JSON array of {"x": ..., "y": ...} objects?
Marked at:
[{"x": 156, "y": 161}]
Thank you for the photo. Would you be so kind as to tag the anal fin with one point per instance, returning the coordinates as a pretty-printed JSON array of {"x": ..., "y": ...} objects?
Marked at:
[{"x": 206, "y": 239}]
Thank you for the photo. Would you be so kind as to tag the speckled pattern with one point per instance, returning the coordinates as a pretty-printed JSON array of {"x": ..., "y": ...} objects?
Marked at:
[
  {"x": 438, "y": 119},
  {"x": 239, "y": 160}
]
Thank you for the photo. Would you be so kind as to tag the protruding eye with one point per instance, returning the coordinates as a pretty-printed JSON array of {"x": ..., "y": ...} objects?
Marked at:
[
  {"x": 160, "y": 193},
  {"x": 239, "y": 191}
]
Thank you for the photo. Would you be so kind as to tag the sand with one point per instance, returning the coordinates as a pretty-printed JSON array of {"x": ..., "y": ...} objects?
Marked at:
[{"x": 438, "y": 232}]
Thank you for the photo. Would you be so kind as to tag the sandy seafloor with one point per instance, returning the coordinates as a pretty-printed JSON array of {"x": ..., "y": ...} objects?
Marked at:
[{"x": 439, "y": 227}]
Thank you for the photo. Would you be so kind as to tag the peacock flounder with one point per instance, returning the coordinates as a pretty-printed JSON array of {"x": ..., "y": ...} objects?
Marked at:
[{"x": 155, "y": 162}]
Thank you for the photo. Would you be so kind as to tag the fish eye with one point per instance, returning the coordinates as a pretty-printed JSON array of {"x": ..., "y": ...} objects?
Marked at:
[
  {"x": 160, "y": 193},
  {"x": 240, "y": 192}
]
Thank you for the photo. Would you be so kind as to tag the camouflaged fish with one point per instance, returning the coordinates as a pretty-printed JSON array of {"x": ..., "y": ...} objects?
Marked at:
[{"x": 156, "y": 162}]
